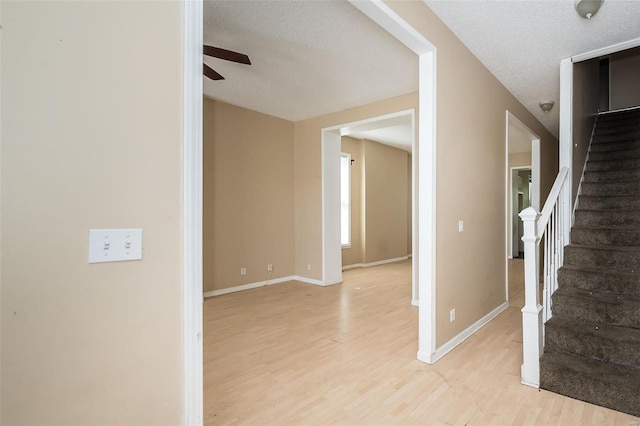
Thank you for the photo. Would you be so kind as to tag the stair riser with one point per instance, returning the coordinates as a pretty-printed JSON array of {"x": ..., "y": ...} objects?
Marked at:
[
  {"x": 616, "y": 124},
  {"x": 628, "y": 260},
  {"x": 585, "y": 387},
  {"x": 615, "y": 146},
  {"x": 614, "y": 155},
  {"x": 586, "y": 202},
  {"x": 592, "y": 344},
  {"x": 611, "y": 188},
  {"x": 603, "y": 282},
  {"x": 607, "y": 217},
  {"x": 593, "y": 237},
  {"x": 611, "y": 175},
  {"x": 630, "y": 163},
  {"x": 623, "y": 313},
  {"x": 612, "y": 135}
]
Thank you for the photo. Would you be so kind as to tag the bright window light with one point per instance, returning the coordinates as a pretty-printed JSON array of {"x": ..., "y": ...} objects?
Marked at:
[{"x": 345, "y": 199}]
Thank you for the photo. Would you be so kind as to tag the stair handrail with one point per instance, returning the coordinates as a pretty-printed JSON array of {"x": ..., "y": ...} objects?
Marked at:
[
  {"x": 549, "y": 225},
  {"x": 553, "y": 196}
]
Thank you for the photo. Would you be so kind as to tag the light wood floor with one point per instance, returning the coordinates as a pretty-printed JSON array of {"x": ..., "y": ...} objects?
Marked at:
[{"x": 301, "y": 354}]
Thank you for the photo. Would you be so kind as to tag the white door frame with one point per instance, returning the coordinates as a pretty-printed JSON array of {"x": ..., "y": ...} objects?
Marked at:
[
  {"x": 192, "y": 368},
  {"x": 192, "y": 391},
  {"x": 535, "y": 184},
  {"x": 424, "y": 249}
]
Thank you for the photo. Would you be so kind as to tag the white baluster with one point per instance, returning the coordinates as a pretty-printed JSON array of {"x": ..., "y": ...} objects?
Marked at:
[{"x": 532, "y": 310}]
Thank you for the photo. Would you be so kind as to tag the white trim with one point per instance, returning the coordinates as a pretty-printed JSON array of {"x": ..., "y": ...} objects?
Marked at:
[
  {"x": 415, "y": 302},
  {"x": 259, "y": 284},
  {"x": 315, "y": 282},
  {"x": 330, "y": 180},
  {"x": 613, "y": 111},
  {"x": 565, "y": 139},
  {"x": 371, "y": 123},
  {"x": 629, "y": 44},
  {"x": 376, "y": 263},
  {"x": 451, "y": 344},
  {"x": 249, "y": 286},
  {"x": 192, "y": 368},
  {"x": 426, "y": 248},
  {"x": 382, "y": 14}
]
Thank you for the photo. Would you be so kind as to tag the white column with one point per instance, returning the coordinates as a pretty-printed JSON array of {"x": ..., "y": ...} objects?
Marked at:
[
  {"x": 566, "y": 141},
  {"x": 532, "y": 310}
]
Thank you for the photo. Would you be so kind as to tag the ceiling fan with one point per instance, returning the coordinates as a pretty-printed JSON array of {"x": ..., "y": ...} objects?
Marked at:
[{"x": 227, "y": 55}]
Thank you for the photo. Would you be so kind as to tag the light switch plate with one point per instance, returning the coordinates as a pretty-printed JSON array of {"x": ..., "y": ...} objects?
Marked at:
[{"x": 115, "y": 245}]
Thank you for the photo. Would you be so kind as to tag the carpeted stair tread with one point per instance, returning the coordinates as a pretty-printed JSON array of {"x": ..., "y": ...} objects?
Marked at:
[
  {"x": 595, "y": 382},
  {"x": 597, "y": 307},
  {"x": 590, "y": 278},
  {"x": 623, "y": 217},
  {"x": 615, "y": 155},
  {"x": 612, "y": 175},
  {"x": 620, "y": 164},
  {"x": 618, "y": 257},
  {"x": 615, "y": 145},
  {"x": 600, "y": 342},
  {"x": 609, "y": 201},
  {"x": 626, "y": 187},
  {"x": 618, "y": 235}
]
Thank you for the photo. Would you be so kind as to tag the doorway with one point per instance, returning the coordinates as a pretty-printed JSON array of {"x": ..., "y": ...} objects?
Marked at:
[
  {"x": 522, "y": 184},
  {"x": 521, "y": 181},
  {"x": 394, "y": 123}
]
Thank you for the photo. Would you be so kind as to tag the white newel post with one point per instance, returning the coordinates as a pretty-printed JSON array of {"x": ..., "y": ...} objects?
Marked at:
[{"x": 532, "y": 310}]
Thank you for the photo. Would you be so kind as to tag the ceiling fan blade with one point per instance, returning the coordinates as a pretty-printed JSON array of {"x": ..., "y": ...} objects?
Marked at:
[
  {"x": 209, "y": 72},
  {"x": 227, "y": 55}
]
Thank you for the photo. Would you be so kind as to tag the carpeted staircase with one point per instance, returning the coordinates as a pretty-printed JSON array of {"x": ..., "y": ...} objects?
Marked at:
[{"x": 592, "y": 342}]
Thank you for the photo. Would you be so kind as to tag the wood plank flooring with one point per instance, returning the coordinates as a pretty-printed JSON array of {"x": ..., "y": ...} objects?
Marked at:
[{"x": 295, "y": 353}]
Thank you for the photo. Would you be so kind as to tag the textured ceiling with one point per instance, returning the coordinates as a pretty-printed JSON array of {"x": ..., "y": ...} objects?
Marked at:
[
  {"x": 312, "y": 57},
  {"x": 522, "y": 41},
  {"x": 308, "y": 57}
]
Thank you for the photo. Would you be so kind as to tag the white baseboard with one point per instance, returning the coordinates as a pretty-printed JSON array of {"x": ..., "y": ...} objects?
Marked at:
[
  {"x": 308, "y": 280},
  {"x": 451, "y": 344},
  {"x": 379, "y": 262},
  {"x": 268, "y": 282},
  {"x": 247, "y": 286}
]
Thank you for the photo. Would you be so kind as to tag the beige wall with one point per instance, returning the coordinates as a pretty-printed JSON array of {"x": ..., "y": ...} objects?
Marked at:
[
  {"x": 470, "y": 140},
  {"x": 625, "y": 84},
  {"x": 586, "y": 99},
  {"x": 308, "y": 176},
  {"x": 353, "y": 255},
  {"x": 378, "y": 184},
  {"x": 385, "y": 202},
  {"x": 520, "y": 159},
  {"x": 248, "y": 196},
  {"x": 91, "y": 138}
]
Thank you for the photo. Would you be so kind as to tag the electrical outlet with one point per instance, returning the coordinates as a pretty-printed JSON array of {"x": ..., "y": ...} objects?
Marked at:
[
  {"x": 460, "y": 225},
  {"x": 452, "y": 315},
  {"x": 243, "y": 271},
  {"x": 269, "y": 267},
  {"x": 309, "y": 267}
]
